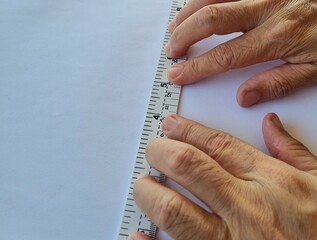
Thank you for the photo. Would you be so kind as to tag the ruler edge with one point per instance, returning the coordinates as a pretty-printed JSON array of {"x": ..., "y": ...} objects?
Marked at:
[{"x": 162, "y": 176}]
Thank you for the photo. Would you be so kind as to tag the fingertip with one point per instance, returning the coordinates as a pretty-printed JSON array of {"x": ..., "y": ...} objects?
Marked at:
[
  {"x": 272, "y": 130},
  {"x": 172, "y": 25},
  {"x": 138, "y": 236},
  {"x": 140, "y": 179},
  {"x": 174, "y": 126},
  {"x": 132, "y": 237},
  {"x": 247, "y": 98},
  {"x": 138, "y": 189},
  {"x": 277, "y": 122},
  {"x": 175, "y": 73},
  {"x": 169, "y": 124},
  {"x": 267, "y": 122},
  {"x": 268, "y": 117},
  {"x": 240, "y": 100},
  {"x": 167, "y": 49},
  {"x": 272, "y": 118},
  {"x": 141, "y": 176},
  {"x": 183, "y": 74},
  {"x": 170, "y": 50}
]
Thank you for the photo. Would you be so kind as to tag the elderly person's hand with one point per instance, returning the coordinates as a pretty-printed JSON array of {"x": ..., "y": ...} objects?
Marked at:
[
  {"x": 252, "y": 195},
  {"x": 273, "y": 29}
]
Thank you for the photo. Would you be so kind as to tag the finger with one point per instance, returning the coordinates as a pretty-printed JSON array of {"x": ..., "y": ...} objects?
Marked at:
[
  {"x": 282, "y": 146},
  {"x": 194, "y": 170},
  {"x": 213, "y": 19},
  {"x": 138, "y": 236},
  {"x": 277, "y": 82},
  {"x": 190, "y": 8},
  {"x": 175, "y": 214},
  {"x": 245, "y": 50},
  {"x": 235, "y": 156}
]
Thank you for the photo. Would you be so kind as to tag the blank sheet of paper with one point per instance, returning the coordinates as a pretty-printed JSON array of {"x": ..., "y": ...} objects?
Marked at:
[{"x": 75, "y": 80}]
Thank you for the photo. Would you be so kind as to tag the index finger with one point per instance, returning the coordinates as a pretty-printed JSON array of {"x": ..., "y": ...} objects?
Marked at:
[
  {"x": 218, "y": 19},
  {"x": 245, "y": 50}
]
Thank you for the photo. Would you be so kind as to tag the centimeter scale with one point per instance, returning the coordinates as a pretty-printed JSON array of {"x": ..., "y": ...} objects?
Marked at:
[{"x": 163, "y": 101}]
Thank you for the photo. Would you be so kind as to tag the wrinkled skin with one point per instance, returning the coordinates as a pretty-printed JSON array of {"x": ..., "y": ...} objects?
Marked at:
[
  {"x": 252, "y": 195},
  {"x": 273, "y": 29}
]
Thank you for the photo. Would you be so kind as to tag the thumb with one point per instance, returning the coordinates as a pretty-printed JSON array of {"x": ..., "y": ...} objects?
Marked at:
[
  {"x": 284, "y": 147},
  {"x": 277, "y": 82}
]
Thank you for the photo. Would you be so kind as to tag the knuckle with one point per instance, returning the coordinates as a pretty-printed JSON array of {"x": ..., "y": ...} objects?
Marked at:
[
  {"x": 209, "y": 15},
  {"x": 282, "y": 37},
  {"x": 224, "y": 56},
  {"x": 169, "y": 210},
  {"x": 277, "y": 33},
  {"x": 280, "y": 87},
  {"x": 189, "y": 132},
  {"x": 194, "y": 66},
  {"x": 294, "y": 183},
  {"x": 284, "y": 146},
  {"x": 182, "y": 160},
  {"x": 217, "y": 143}
]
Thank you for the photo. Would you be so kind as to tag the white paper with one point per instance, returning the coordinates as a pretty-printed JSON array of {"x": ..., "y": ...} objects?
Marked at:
[{"x": 75, "y": 80}]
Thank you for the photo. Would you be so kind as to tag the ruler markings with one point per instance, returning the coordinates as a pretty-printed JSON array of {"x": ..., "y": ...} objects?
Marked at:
[{"x": 163, "y": 101}]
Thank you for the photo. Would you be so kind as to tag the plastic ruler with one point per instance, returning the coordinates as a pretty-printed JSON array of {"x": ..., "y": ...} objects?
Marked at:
[{"x": 163, "y": 102}]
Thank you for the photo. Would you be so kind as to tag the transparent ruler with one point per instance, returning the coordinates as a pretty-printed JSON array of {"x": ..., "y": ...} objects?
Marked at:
[{"x": 163, "y": 101}]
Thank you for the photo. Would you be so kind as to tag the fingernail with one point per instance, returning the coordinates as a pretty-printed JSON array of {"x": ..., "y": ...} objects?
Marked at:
[
  {"x": 172, "y": 25},
  {"x": 169, "y": 124},
  {"x": 174, "y": 72},
  {"x": 277, "y": 122},
  {"x": 131, "y": 238},
  {"x": 168, "y": 49},
  {"x": 251, "y": 98}
]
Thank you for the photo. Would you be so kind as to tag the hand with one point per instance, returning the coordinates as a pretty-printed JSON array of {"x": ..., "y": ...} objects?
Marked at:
[
  {"x": 252, "y": 195},
  {"x": 273, "y": 29}
]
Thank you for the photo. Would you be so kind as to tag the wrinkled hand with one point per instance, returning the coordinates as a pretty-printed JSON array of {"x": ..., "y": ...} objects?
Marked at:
[
  {"x": 252, "y": 195},
  {"x": 273, "y": 29}
]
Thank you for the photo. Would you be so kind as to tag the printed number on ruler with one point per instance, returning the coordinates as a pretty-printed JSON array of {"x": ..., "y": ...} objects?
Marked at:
[{"x": 164, "y": 101}]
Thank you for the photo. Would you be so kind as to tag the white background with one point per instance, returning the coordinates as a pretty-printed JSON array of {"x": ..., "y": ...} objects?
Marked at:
[{"x": 75, "y": 79}]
